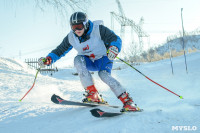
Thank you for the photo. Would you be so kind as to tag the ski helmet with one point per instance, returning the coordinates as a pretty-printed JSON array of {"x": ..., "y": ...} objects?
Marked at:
[{"x": 79, "y": 18}]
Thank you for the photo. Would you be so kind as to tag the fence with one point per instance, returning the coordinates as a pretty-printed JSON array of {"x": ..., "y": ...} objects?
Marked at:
[{"x": 33, "y": 62}]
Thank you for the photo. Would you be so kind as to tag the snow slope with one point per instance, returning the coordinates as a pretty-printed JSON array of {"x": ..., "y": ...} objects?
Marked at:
[{"x": 162, "y": 110}]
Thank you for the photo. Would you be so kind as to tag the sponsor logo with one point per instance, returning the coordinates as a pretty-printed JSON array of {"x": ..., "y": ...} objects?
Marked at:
[
  {"x": 92, "y": 56},
  {"x": 86, "y": 48}
]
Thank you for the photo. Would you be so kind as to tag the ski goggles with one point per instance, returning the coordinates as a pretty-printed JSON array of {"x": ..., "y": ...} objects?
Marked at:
[{"x": 77, "y": 27}]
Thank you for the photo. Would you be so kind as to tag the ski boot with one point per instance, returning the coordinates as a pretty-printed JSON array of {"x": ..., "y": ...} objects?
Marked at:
[
  {"x": 129, "y": 105},
  {"x": 92, "y": 96}
]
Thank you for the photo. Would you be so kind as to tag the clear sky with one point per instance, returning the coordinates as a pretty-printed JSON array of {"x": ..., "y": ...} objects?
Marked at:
[{"x": 27, "y": 31}]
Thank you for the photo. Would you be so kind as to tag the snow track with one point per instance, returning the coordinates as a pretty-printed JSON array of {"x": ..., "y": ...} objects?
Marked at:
[{"x": 162, "y": 110}]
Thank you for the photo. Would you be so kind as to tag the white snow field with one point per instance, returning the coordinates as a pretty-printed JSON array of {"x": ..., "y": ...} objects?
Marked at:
[{"x": 163, "y": 111}]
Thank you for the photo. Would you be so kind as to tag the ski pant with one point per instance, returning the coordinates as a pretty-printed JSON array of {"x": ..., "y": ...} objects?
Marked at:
[{"x": 103, "y": 65}]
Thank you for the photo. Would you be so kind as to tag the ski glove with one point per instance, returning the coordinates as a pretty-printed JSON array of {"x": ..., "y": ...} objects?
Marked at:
[
  {"x": 42, "y": 62},
  {"x": 112, "y": 52}
]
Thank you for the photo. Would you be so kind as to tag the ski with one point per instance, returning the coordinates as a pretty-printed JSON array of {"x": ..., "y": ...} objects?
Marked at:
[
  {"x": 99, "y": 113},
  {"x": 58, "y": 100}
]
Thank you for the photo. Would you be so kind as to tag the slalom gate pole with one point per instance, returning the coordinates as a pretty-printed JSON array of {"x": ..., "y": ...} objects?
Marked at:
[
  {"x": 181, "y": 97},
  {"x": 32, "y": 85}
]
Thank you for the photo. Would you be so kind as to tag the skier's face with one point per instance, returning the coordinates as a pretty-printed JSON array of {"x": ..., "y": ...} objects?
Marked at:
[
  {"x": 79, "y": 32},
  {"x": 78, "y": 29}
]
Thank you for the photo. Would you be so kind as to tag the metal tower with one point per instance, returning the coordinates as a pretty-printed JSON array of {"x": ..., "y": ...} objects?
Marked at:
[{"x": 124, "y": 21}]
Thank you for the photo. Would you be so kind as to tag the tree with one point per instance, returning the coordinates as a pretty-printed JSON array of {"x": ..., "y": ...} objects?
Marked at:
[
  {"x": 132, "y": 52},
  {"x": 151, "y": 53},
  {"x": 144, "y": 55},
  {"x": 62, "y": 5}
]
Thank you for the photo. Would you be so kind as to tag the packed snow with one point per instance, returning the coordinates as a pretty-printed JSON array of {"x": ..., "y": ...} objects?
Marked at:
[{"x": 163, "y": 111}]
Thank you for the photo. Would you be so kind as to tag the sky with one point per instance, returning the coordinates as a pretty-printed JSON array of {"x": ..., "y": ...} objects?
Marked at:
[{"x": 28, "y": 32}]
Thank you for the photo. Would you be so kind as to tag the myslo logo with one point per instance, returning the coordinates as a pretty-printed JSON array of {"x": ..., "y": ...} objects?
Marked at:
[{"x": 184, "y": 128}]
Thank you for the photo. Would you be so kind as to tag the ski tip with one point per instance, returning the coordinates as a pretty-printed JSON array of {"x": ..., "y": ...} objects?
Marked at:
[
  {"x": 97, "y": 112},
  {"x": 101, "y": 114},
  {"x": 56, "y": 99},
  {"x": 20, "y": 100},
  {"x": 53, "y": 99}
]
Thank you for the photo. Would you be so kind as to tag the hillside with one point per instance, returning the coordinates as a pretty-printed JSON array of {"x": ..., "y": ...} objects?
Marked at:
[
  {"x": 162, "y": 110},
  {"x": 191, "y": 42}
]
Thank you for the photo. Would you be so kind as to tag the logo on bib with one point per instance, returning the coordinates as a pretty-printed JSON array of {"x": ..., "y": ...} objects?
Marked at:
[
  {"x": 92, "y": 56},
  {"x": 86, "y": 48}
]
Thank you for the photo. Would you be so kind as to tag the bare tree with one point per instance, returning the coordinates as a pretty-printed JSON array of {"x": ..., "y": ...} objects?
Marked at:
[
  {"x": 62, "y": 6},
  {"x": 151, "y": 53},
  {"x": 144, "y": 55},
  {"x": 132, "y": 52}
]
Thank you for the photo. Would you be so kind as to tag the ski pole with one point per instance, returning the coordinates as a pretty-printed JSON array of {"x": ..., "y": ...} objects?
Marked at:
[
  {"x": 181, "y": 97},
  {"x": 32, "y": 85}
]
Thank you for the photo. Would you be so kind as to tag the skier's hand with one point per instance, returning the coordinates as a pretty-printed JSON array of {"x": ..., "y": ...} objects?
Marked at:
[
  {"x": 112, "y": 52},
  {"x": 42, "y": 62}
]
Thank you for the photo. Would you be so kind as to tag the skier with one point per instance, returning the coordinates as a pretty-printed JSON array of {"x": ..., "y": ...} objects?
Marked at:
[{"x": 97, "y": 47}]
